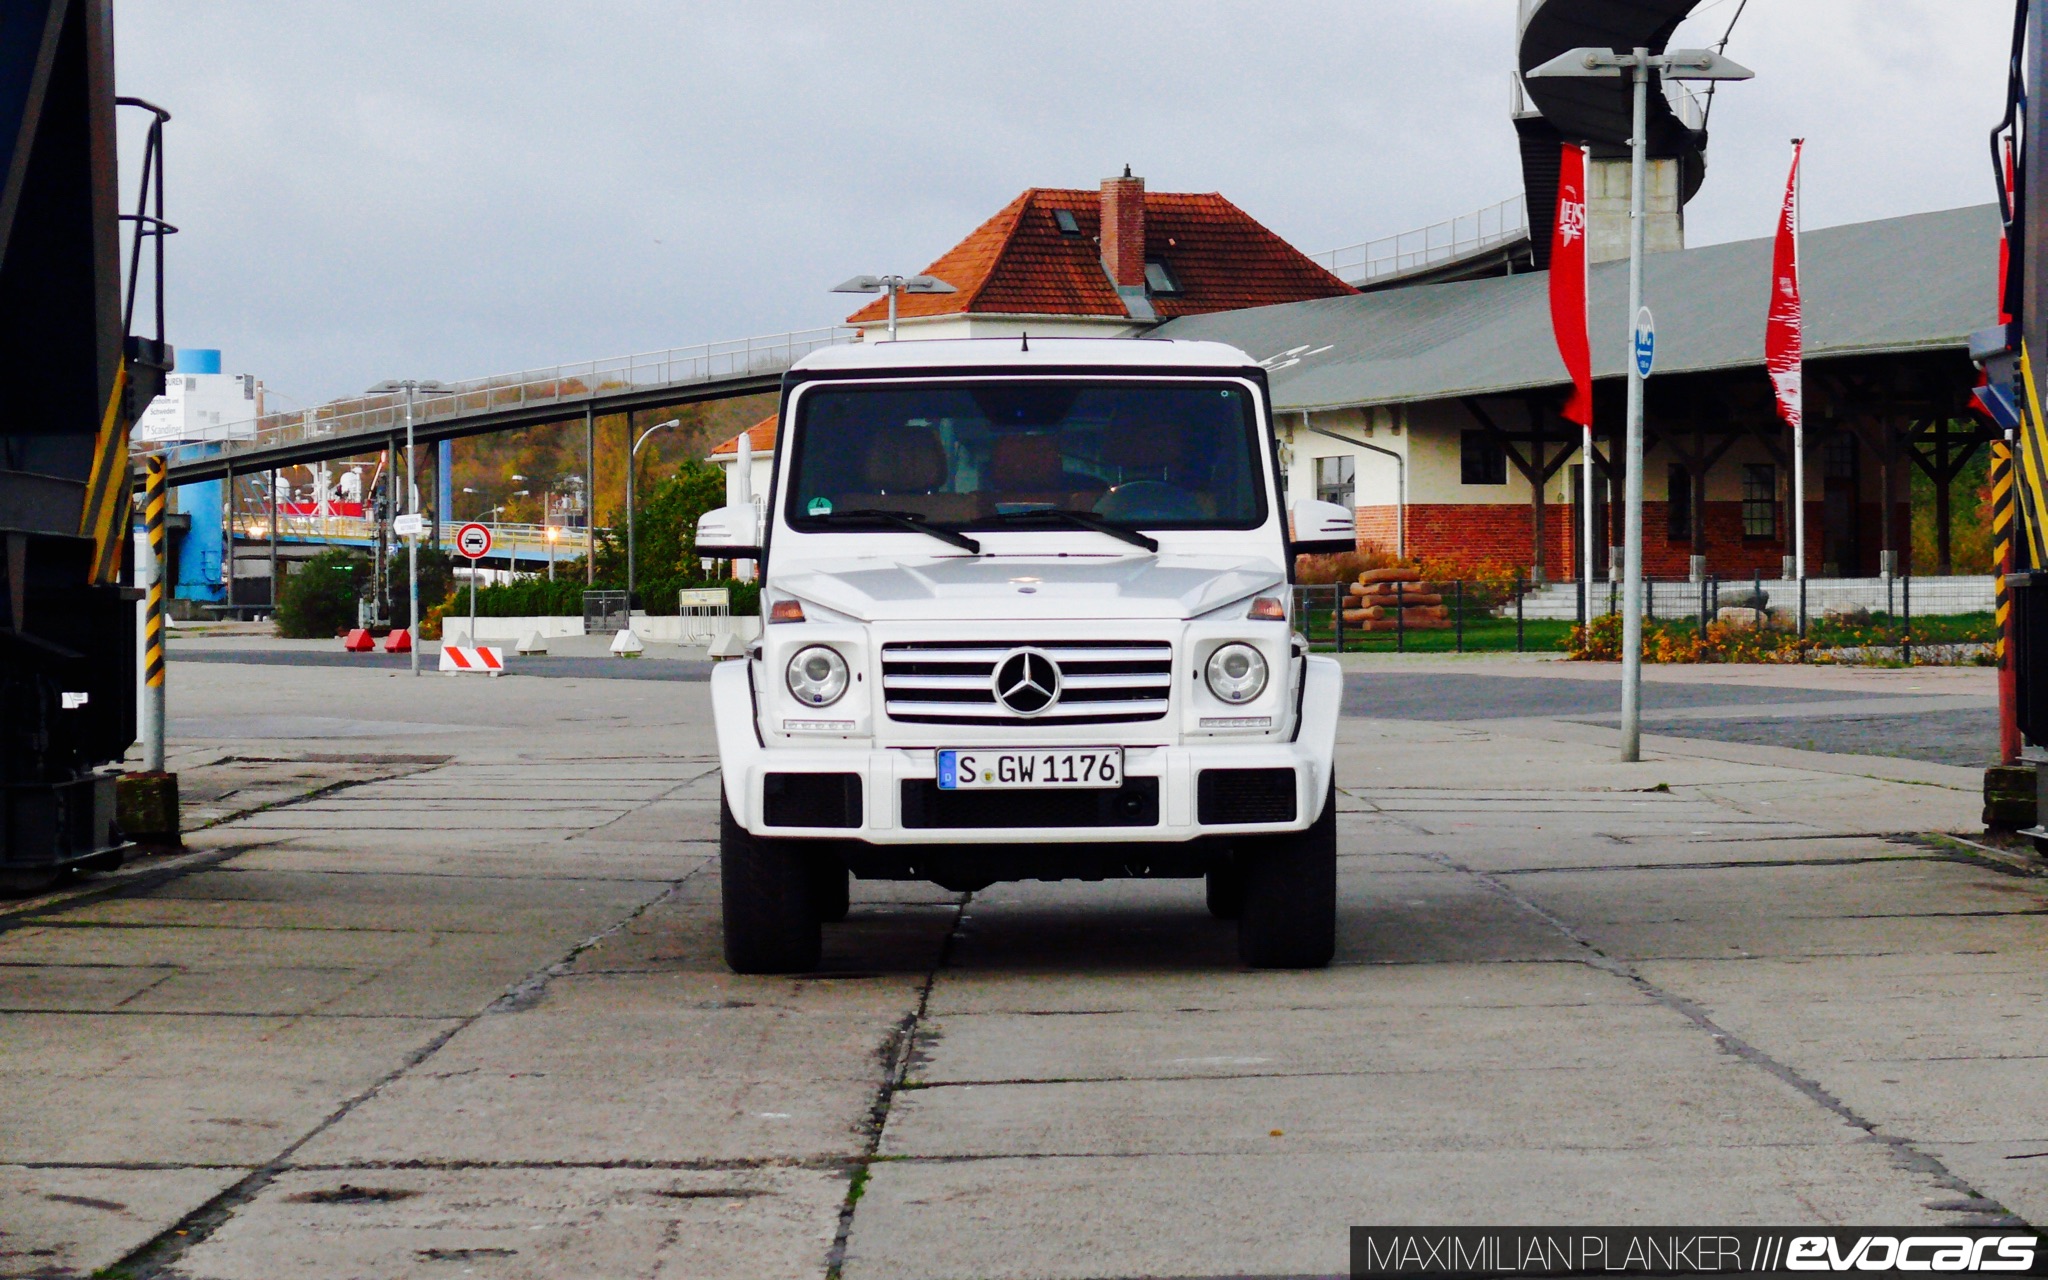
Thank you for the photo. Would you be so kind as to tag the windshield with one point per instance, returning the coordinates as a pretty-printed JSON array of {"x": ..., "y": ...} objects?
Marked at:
[{"x": 1153, "y": 455}]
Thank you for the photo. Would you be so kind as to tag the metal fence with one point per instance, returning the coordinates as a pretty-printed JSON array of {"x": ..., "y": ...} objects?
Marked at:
[
  {"x": 1904, "y": 618},
  {"x": 604, "y": 612},
  {"x": 1444, "y": 241}
]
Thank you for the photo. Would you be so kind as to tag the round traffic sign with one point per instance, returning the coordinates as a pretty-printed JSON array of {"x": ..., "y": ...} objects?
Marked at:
[
  {"x": 473, "y": 540},
  {"x": 1644, "y": 342}
]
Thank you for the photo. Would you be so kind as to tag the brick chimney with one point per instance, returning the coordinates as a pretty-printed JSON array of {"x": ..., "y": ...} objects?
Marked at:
[{"x": 1123, "y": 229}]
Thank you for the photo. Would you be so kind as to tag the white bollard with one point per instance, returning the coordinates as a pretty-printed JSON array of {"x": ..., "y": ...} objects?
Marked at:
[
  {"x": 533, "y": 644},
  {"x": 627, "y": 645}
]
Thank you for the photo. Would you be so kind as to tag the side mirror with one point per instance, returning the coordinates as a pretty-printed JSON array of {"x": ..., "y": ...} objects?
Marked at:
[
  {"x": 730, "y": 533},
  {"x": 1322, "y": 529}
]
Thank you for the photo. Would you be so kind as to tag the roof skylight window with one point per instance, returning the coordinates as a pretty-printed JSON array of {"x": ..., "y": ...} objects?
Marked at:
[
  {"x": 1159, "y": 278},
  {"x": 1065, "y": 221}
]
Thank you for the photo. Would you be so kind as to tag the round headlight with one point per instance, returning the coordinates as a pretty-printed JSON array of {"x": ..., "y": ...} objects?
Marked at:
[
  {"x": 817, "y": 676},
  {"x": 1237, "y": 673}
]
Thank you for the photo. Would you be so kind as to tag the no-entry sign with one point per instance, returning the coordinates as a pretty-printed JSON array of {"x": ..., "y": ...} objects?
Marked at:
[{"x": 473, "y": 540}]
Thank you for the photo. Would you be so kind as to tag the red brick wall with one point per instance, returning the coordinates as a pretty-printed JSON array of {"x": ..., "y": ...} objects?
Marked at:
[
  {"x": 1123, "y": 229},
  {"x": 1500, "y": 532},
  {"x": 1490, "y": 531}
]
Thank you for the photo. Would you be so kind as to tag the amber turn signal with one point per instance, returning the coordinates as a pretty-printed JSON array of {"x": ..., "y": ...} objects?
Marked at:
[
  {"x": 786, "y": 611},
  {"x": 1268, "y": 609}
]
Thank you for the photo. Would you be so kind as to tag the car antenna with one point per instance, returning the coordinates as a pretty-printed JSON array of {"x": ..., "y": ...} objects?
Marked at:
[{"x": 1026, "y": 345}]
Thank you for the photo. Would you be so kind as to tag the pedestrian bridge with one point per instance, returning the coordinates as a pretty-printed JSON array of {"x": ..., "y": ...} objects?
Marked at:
[
  {"x": 585, "y": 389},
  {"x": 527, "y": 547}
]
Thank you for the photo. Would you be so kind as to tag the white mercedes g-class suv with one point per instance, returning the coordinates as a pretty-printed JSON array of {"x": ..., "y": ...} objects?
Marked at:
[{"x": 1026, "y": 616}]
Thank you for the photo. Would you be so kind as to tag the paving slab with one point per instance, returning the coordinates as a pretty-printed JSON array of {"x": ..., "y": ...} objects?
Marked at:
[
  {"x": 1287, "y": 1214},
  {"x": 530, "y": 1224},
  {"x": 74, "y": 1222}
]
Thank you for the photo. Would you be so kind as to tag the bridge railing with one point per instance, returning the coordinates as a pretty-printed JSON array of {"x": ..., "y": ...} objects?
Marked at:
[
  {"x": 384, "y": 415},
  {"x": 1438, "y": 242},
  {"x": 531, "y": 541}
]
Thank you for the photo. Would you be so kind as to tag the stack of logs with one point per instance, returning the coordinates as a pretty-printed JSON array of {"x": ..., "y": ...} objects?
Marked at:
[{"x": 1386, "y": 599}]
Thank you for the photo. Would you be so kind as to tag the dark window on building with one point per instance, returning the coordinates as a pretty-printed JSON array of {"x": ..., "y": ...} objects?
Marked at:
[
  {"x": 1065, "y": 221},
  {"x": 1678, "y": 504},
  {"x": 1482, "y": 459},
  {"x": 1159, "y": 278},
  {"x": 1839, "y": 458},
  {"x": 1336, "y": 480},
  {"x": 1759, "y": 500}
]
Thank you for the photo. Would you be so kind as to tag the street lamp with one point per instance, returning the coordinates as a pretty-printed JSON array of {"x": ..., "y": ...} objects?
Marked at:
[
  {"x": 411, "y": 386},
  {"x": 892, "y": 285},
  {"x": 1676, "y": 64},
  {"x": 552, "y": 534},
  {"x": 631, "y": 454}
]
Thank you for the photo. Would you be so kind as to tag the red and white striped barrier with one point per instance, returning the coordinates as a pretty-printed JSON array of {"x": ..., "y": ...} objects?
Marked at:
[{"x": 481, "y": 659}]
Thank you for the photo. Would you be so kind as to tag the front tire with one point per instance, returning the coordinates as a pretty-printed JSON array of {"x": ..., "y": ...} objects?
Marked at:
[
  {"x": 1225, "y": 891},
  {"x": 771, "y": 920},
  {"x": 1289, "y": 918},
  {"x": 831, "y": 890}
]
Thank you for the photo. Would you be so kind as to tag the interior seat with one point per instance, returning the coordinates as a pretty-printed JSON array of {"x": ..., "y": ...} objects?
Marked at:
[{"x": 904, "y": 468}]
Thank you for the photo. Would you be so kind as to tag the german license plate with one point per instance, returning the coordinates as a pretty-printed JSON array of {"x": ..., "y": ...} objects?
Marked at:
[{"x": 966, "y": 769}]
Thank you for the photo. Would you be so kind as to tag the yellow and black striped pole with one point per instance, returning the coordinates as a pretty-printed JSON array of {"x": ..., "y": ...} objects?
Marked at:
[
  {"x": 153, "y": 619},
  {"x": 2001, "y": 533}
]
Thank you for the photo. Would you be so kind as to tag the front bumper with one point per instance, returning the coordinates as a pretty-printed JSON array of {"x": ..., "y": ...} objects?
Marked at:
[{"x": 879, "y": 818}]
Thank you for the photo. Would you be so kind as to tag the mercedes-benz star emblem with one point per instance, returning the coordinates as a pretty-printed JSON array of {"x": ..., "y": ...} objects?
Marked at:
[{"x": 1027, "y": 681}]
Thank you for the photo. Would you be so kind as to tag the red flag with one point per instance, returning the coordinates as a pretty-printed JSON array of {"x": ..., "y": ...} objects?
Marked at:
[
  {"x": 1568, "y": 284},
  {"x": 1783, "y": 343}
]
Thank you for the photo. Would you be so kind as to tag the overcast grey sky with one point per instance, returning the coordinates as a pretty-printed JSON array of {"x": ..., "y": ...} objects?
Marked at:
[{"x": 451, "y": 188}]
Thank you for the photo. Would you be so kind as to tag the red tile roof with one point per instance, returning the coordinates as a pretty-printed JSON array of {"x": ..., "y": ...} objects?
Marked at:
[
  {"x": 761, "y": 433},
  {"x": 1018, "y": 263}
]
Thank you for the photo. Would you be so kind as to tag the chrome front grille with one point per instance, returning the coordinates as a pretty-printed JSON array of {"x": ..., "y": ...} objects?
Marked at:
[{"x": 952, "y": 681}]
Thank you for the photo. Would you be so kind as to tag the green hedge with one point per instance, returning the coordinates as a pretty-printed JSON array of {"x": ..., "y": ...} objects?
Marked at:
[{"x": 319, "y": 600}]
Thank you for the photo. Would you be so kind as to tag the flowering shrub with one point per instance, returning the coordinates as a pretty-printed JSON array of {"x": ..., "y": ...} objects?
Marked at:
[{"x": 1601, "y": 642}]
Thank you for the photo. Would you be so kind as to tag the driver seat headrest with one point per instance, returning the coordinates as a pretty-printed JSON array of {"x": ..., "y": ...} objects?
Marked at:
[{"x": 906, "y": 460}]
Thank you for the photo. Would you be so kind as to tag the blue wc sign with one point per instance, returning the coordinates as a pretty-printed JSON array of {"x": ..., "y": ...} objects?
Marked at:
[{"x": 1644, "y": 342}]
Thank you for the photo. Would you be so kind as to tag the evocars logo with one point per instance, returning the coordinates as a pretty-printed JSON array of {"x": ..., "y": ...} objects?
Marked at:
[{"x": 1911, "y": 1253}]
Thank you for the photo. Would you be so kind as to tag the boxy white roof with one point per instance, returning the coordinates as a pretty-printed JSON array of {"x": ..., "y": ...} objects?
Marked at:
[{"x": 1026, "y": 353}]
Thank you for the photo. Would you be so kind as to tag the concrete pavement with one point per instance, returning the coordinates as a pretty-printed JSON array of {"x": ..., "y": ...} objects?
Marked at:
[{"x": 440, "y": 995}]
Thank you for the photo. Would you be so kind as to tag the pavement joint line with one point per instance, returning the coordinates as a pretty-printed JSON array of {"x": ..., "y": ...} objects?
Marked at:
[
  {"x": 280, "y": 1015},
  {"x": 901, "y": 1048},
  {"x": 159, "y": 1256},
  {"x": 1728, "y": 864},
  {"x": 1906, "y": 1154}
]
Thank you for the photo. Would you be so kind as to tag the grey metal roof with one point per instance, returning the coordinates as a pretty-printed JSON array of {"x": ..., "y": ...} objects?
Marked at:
[{"x": 1916, "y": 283}]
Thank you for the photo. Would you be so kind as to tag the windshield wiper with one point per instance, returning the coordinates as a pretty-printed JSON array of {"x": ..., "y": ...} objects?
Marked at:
[
  {"x": 1082, "y": 520},
  {"x": 905, "y": 520}
]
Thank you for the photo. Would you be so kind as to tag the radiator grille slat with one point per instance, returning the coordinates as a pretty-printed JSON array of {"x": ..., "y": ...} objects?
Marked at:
[{"x": 1102, "y": 681}]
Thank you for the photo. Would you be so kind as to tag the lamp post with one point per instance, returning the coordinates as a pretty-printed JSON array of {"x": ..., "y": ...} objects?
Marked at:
[
  {"x": 1676, "y": 64},
  {"x": 551, "y": 532},
  {"x": 511, "y": 545},
  {"x": 892, "y": 285},
  {"x": 412, "y": 504},
  {"x": 631, "y": 454}
]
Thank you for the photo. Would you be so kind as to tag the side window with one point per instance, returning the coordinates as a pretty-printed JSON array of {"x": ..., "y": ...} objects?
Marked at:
[
  {"x": 1336, "y": 480},
  {"x": 1678, "y": 509},
  {"x": 1759, "y": 500},
  {"x": 1481, "y": 459}
]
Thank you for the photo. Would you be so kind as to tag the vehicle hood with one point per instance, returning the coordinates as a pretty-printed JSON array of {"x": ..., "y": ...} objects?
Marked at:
[{"x": 1031, "y": 587}]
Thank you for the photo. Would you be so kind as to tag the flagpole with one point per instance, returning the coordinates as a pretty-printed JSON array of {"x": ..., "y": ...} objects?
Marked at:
[
  {"x": 1586, "y": 428},
  {"x": 1799, "y": 425}
]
